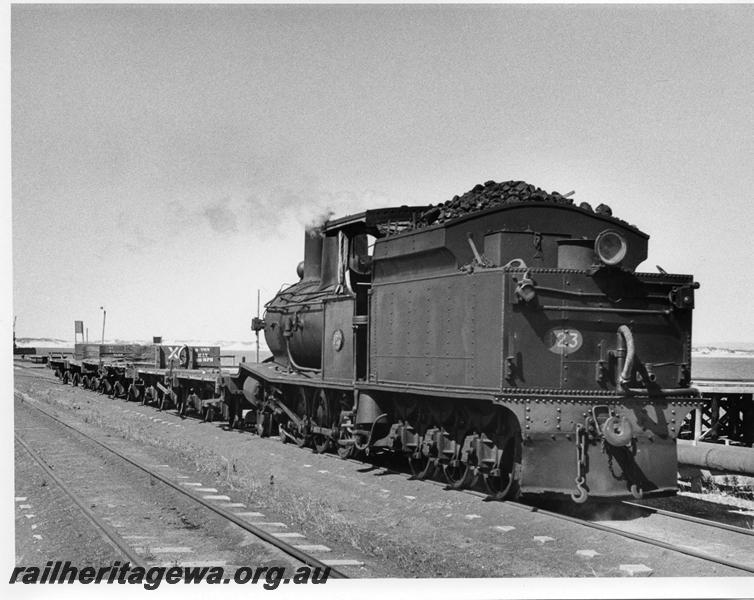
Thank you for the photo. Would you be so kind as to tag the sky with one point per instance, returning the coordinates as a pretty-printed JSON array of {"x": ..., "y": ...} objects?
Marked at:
[{"x": 166, "y": 159}]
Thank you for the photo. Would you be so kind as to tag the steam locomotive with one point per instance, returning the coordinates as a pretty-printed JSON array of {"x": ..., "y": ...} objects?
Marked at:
[{"x": 503, "y": 338}]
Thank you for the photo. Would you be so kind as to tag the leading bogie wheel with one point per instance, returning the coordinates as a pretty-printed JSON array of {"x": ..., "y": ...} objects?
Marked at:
[{"x": 345, "y": 450}]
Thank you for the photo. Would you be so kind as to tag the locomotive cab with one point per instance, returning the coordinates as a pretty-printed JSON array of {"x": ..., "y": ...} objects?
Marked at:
[{"x": 319, "y": 324}]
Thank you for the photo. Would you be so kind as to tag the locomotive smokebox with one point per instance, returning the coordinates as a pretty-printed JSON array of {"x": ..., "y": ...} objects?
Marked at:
[{"x": 313, "y": 239}]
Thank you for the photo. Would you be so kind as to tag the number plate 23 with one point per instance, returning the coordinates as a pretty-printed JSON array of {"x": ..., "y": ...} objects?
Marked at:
[{"x": 563, "y": 341}]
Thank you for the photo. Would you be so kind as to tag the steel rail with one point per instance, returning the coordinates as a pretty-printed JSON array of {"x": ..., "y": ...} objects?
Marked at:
[
  {"x": 692, "y": 519},
  {"x": 637, "y": 537},
  {"x": 605, "y": 528},
  {"x": 104, "y": 530},
  {"x": 260, "y": 533}
]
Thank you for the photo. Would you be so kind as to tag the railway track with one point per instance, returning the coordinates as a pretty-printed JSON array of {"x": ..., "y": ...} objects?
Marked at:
[
  {"x": 75, "y": 447},
  {"x": 734, "y": 541},
  {"x": 690, "y": 518},
  {"x": 725, "y": 558},
  {"x": 101, "y": 527}
]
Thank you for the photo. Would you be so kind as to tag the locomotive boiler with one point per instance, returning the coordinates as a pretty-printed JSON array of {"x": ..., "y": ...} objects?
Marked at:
[{"x": 503, "y": 338}]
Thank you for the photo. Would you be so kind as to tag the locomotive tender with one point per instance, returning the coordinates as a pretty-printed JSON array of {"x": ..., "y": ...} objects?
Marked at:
[{"x": 504, "y": 337}]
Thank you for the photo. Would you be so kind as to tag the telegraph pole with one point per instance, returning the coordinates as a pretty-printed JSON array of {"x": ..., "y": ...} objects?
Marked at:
[{"x": 104, "y": 316}]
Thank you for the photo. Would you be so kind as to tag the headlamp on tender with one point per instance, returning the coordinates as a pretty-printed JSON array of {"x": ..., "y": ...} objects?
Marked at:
[{"x": 610, "y": 247}]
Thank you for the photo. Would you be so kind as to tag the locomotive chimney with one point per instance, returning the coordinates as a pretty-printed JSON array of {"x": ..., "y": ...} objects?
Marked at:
[{"x": 313, "y": 254}]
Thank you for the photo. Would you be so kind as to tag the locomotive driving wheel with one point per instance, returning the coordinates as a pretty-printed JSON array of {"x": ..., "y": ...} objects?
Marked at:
[
  {"x": 299, "y": 432},
  {"x": 300, "y": 438},
  {"x": 322, "y": 443}
]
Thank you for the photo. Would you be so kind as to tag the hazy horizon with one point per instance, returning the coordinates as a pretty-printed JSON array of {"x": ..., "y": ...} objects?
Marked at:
[{"x": 748, "y": 346}]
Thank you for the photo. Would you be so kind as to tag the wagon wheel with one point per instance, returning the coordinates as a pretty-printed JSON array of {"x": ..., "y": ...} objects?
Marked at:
[
  {"x": 501, "y": 481},
  {"x": 163, "y": 401},
  {"x": 461, "y": 475},
  {"x": 422, "y": 467},
  {"x": 209, "y": 413},
  {"x": 183, "y": 402},
  {"x": 75, "y": 380},
  {"x": 64, "y": 378},
  {"x": 423, "y": 462},
  {"x": 132, "y": 395},
  {"x": 499, "y": 486},
  {"x": 85, "y": 382}
]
